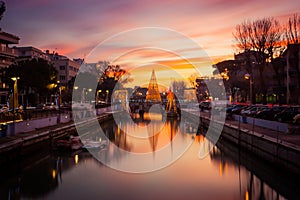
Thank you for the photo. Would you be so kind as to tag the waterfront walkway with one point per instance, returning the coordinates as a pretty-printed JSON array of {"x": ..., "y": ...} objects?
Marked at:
[
  {"x": 288, "y": 139},
  {"x": 281, "y": 137},
  {"x": 14, "y": 141}
]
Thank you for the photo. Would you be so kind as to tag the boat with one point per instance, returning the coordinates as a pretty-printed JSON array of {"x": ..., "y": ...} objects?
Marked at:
[
  {"x": 93, "y": 144},
  {"x": 82, "y": 106},
  {"x": 73, "y": 143}
]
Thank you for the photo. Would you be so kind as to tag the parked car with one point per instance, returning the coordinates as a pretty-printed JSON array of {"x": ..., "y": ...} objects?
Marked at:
[
  {"x": 287, "y": 114},
  {"x": 4, "y": 109},
  {"x": 253, "y": 110},
  {"x": 229, "y": 109},
  {"x": 246, "y": 110},
  {"x": 49, "y": 106},
  {"x": 205, "y": 105},
  {"x": 39, "y": 106},
  {"x": 269, "y": 113},
  {"x": 296, "y": 119},
  {"x": 265, "y": 113},
  {"x": 46, "y": 106},
  {"x": 238, "y": 109}
]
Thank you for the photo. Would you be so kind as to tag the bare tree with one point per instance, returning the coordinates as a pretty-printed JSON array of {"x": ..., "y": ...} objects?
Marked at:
[
  {"x": 242, "y": 36},
  {"x": 2, "y": 9},
  {"x": 292, "y": 30},
  {"x": 259, "y": 38}
]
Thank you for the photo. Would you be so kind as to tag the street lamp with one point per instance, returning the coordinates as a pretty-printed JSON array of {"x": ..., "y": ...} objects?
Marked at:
[
  {"x": 58, "y": 100},
  {"x": 249, "y": 77},
  {"x": 15, "y": 90},
  {"x": 97, "y": 96},
  {"x": 14, "y": 99},
  {"x": 235, "y": 92},
  {"x": 106, "y": 98}
]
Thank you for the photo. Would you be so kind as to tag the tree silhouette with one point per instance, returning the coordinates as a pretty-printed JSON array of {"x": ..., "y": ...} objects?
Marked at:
[
  {"x": 2, "y": 9},
  {"x": 259, "y": 38},
  {"x": 101, "y": 76},
  {"x": 113, "y": 77},
  {"x": 35, "y": 75},
  {"x": 292, "y": 30}
]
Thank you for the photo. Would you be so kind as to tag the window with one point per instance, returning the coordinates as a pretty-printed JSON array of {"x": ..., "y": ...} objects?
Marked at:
[
  {"x": 62, "y": 67},
  {"x": 62, "y": 78}
]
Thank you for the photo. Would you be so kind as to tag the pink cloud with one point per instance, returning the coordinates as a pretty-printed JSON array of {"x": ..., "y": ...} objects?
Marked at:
[{"x": 75, "y": 26}]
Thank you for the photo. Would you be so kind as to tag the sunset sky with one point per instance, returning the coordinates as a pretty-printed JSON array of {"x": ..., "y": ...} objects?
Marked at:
[{"x": 75, "y": 27}]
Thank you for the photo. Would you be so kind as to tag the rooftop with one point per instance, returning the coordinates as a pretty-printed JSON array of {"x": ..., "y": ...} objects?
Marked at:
[{"x": 7, "y": 38}]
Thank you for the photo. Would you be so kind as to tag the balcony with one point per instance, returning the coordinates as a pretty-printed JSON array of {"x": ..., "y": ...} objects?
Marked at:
[
  {"x": 7, "y": 38},
  {"x": 6, "y": 51}
]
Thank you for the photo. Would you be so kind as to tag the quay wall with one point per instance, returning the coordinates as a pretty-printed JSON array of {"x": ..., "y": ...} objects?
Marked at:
[
  {"x": 28, "y": 142},
  {"x": 273, "y": 125},
  {"x": 276, "y": 151},
  {"x": 34, "y": 124}
]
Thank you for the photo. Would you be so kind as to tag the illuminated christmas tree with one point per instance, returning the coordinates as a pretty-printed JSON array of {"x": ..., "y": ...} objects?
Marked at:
[{"x": 153, "y": 92}]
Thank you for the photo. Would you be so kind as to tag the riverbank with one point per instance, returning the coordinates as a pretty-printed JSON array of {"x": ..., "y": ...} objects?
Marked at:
[
  {"x": 14, "y": 146},
  {"x": 277, "y": 147}
]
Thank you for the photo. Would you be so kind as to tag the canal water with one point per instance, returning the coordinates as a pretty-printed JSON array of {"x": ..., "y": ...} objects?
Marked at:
[{"x": 225, "y": 173}]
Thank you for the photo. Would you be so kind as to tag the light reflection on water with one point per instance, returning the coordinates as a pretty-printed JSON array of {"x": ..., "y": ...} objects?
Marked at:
[{"x": 225, "y": 174}]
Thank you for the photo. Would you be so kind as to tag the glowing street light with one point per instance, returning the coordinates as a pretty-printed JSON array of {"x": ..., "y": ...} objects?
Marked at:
[
  {"x": 15, "y": 78},
  {"x": 249, "y": 77},
  {"x": 106, "y": 98},
  {"x": 59, "y": 100},
  {"x": 14, "y": 99}
]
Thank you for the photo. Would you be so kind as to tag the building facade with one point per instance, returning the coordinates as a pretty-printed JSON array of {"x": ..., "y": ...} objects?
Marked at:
[
  {"x": 67, "y": 69},
  {"x": 7, "y": 57},
  {"x": 29, "y": 53},
  {"x": 7, "y": 54},
  {"x": 291, "y": 73}
]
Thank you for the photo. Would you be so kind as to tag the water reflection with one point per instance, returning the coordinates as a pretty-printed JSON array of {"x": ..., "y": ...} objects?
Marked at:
[
  {"x": 143, "y": 140},
  {"x": 257, "y": 179},
  {"x": 131, "y": 138},
  {"x": 227, "y": 173}
]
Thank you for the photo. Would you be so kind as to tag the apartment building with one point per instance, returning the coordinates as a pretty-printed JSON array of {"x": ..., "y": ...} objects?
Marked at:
[
  {"x": 66, "y": 68},
  {"x": 29, "y": 53},
  {"x": 7, "y": 57}
]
